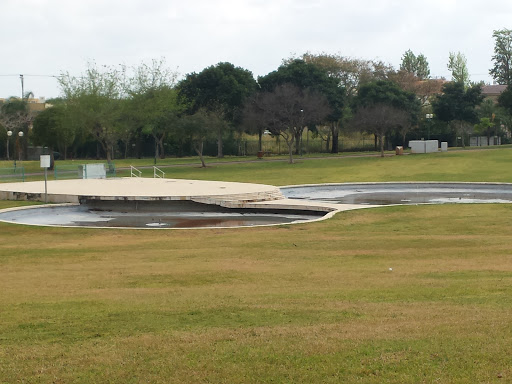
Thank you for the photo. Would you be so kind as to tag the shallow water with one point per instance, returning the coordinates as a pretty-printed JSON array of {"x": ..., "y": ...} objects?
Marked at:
[
  {"x": 400, "y": 193},
  {"x": 85, "y": 216}
]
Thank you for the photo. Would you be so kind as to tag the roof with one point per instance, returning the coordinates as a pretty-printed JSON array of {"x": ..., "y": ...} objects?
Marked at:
[{"x": 495, "y": 89}]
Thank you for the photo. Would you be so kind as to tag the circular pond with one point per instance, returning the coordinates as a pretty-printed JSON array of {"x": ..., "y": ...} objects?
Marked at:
[
  {"x": 402, "y": 193},
  {"x": 152, "y": 215}
]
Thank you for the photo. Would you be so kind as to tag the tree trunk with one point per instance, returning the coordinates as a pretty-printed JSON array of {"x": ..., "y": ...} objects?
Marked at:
[
  {"x": 199, "y": 150},
  {"x": 219, "y": 144},
  {"x": 161, "y": 145},
  {"x": 335, "y": 135},
  {"x": 260, "y": 141},
  {"x": 297, "y": 142},
  {"x": 462, "y": 135},
  {"x": 381, "y": 139},
  {"x": 289, "y": 142}
]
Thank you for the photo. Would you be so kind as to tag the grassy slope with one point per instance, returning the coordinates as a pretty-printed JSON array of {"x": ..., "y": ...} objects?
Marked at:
[
  {"x": 305, "y": 303},
  {"x": 485, "y": 165}
]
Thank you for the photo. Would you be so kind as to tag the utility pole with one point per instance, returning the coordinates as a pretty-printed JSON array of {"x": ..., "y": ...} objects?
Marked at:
[{"x": 22, "y": 89}]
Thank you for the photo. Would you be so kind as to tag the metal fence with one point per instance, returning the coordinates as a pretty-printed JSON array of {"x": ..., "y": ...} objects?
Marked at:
[
  {"x": 12, "y": 174},
  {"x": 75, "y": 171},
  {"x": 309, "y": 144}
]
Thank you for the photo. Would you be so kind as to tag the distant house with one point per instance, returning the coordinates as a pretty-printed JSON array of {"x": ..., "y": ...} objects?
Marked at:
[
  {"x": 493, "y": 91},
  {"x": 34, "y": 104}
]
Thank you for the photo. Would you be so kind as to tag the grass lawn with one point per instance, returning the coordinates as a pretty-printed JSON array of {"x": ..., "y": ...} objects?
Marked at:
[{"x": 305, "y": 303}]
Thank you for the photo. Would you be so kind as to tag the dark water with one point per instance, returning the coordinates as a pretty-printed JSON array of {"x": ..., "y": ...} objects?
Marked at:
[
  {"x": 85, "y": 216},
  {"x": 399, "y": 193}
]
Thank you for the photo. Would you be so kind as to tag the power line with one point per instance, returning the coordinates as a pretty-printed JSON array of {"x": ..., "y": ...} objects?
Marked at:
[{"x": 17, "y": 75}]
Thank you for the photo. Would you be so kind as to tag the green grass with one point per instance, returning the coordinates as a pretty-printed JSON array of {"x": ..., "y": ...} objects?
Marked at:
[
  {"x": 471, "y": 165},
  {"x": 306, "y": 303},
  {"x": 485, "y": 165}
]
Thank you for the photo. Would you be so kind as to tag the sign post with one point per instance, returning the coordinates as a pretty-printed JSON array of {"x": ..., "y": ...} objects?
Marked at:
[{"x": 45, "y": 163}]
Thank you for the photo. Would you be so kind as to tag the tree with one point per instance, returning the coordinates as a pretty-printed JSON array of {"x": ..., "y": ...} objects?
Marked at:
[
  {"x": 351, "y": 74},
  {"x": 287, "y": 109},
  {"x": 416, "y": 65},
  {"x": 505, "y": 99},
  {"x": 379, "y": 98},
  {"x": 15, "y": 117},
  {"x": 223, "y": 89},
  {"x": 457, "y": 64},
  {"x": 153, "y": 105},
  {"x": 379, "y": 119},
  {"x": 457, "y": 105},
  {"x": 96, "y": 97},
  {"x": 198, "y": 127},
  {"x": 53, "y": 128},
  {"x": 309, "y": 76},
  {"x": 502, "y": 69},
  {"x": 484, "y": 127}
]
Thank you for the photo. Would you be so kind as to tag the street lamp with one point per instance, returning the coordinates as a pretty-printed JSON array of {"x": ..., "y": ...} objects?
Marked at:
[
  {"x": 18, "y": 149},
  {"x": 302, "y": 131},
  {"x": 429, "y": 117},
  {"x": 9, "y": 134}
]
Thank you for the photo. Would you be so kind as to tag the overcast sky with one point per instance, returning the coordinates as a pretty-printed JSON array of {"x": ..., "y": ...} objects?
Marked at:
[{"x": 47, "y": 37}]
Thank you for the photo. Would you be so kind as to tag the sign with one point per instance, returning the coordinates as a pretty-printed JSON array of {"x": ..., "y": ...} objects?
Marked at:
[{"x": 45, "y": 161}]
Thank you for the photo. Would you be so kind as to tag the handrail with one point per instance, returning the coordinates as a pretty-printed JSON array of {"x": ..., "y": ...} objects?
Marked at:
[
  {"x": 134, "y": 172},
  {"x": 157, "y": 172}
]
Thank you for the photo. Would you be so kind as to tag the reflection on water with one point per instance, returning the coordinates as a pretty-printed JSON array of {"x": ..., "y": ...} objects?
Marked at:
[{"x": 84, "y": 216}]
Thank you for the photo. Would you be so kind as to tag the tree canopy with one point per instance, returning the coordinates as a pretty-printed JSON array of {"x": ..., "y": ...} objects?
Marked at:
[
  {"x": 457, "y": 64},
  {"x": 458, "y": 105},
  {"x": 287, "y": 108},
  {"x": 318, "y": 78},
  {"x": 416, "y": 65},
  {"x": 382, "y": 106},
  {"x": 221, "y": 89},
  {"x": 502, "y": 58}
]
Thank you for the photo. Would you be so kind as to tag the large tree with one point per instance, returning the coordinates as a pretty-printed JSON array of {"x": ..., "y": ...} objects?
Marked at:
[
  {"x": 416, "y": 65},
  {"x": 351, "y": 73},
  {"x": 502, "y": 68},
  {"x": 55, "y": 129},
  {"x": 15, "y": 117},
  {"x": 457, "y": 105},
  {"x": 457, "y": 64},
  {"x": 198, "y": 127},
  {"x": 309, "y": 76},
  {"x": 153, "y": 106},
  {"x": 378, "y": 99},
  {"x": 96, "y": 96},
  {"x": 505, "y": 99},
  {"x": 221, "y": 89},
  {"x": 380, "y": 119},
  {"x": 287, "y": 109}
]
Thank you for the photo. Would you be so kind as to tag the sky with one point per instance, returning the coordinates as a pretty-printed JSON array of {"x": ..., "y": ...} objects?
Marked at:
[{"x": 44, "y": 38}]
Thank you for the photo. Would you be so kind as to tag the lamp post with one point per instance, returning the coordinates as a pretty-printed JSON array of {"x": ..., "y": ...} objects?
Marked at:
[
  {"x": 301, "y": 129},
  {"x": 9, "y": 134},
  {"x": 429, "y": 117},
  {"x": 20, "y": 135}
]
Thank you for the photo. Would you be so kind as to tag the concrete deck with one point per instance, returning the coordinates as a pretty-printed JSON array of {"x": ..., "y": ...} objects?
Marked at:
[
  {"x": 225, "y": 194},
  {"x": 71, "y": 191}
]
